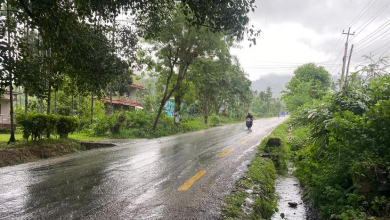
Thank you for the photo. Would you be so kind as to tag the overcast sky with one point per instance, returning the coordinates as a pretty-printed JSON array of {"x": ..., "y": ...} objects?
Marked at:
[{"x": 302, "y": 31}]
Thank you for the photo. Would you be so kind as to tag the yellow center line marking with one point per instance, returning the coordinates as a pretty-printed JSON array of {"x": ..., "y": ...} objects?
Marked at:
[
  {"x": 191, "y": 181},
  {"x": 242, "y": 142},
  {"x": 226, "y": 152}
]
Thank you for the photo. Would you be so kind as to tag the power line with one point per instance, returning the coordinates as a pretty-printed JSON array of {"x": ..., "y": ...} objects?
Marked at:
[
  {"x": 381, "y": 50},
  {"x": 337, "y": 46},
  {"x": 378, "y": 42},
  {"x": 361, "y": 13},
  {"x": 374, "y": 32},
  {"x": 368, "y": 22}
]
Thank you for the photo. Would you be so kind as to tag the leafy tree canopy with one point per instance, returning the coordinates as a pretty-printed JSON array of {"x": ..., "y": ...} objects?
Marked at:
[{"x": 308, "y": 83}]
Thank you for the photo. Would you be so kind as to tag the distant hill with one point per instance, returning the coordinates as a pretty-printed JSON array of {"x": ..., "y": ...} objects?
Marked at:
[{"x": 275, "y": 81}]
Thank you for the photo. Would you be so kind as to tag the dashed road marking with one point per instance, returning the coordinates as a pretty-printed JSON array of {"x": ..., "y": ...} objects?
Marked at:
[
  {"x": 226, "y": 152},
  {"x": 242, "y": 142},
  {"x": 191, "y": 181}
]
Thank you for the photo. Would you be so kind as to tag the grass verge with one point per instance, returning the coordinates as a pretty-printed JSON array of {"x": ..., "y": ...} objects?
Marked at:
[
  {"x": 253, "y": 196},
  {"x": 22, "y": 151},
  {"x": 76, "y": 136}
]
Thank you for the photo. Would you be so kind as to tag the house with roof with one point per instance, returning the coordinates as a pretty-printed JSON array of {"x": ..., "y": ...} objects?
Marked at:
[
  {"x": 5, "y": 107},
  {"x": 131, "y": 100}
]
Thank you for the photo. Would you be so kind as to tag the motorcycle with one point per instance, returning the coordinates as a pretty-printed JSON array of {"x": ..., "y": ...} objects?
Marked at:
[{"x": 249, "y": 123}]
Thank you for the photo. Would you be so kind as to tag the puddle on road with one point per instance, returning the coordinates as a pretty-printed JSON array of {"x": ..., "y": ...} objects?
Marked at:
[{"x": 288, "y": 190}]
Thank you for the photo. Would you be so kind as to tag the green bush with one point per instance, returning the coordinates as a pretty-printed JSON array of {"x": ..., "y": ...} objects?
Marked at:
[
  {"x": 66, "y": 125},
  {"x": 214, "y": 120},
  {"x": 342, "y": 152},
  {"x": 101, "y": 125},
  {"x": 139, "y": 124},
  {"x": 4, "y": 130},
  {"x": 37, "y": 125}
]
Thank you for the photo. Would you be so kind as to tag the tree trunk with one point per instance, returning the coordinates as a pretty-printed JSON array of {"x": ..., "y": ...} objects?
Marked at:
[
  {"x": 41, "y": 106},
  {"x": 48, "y": 100},
  {"x": 206, "y": 118},
  {"x": 78, "y": 107},
  {"x": 112, "y": 107},
  {"x": 162, "y": 104},
  {"x": 12, "y": 138},
  {"x": 72, "y": 109},
  {"x": 55, "y": 102},
  {"x": 217, "y": 107},
  {"x": 91, "y": 108},
  {"x": 25, "y": 102},
  {"x": 20, "y": 99},
  {"x": 177, "y": 109},
  {"x": 11, "y": 102}
]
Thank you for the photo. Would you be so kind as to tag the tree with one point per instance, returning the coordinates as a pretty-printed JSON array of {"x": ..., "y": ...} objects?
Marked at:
[
  {"x": 207, "y": 83},
  {"x": 8, "y": 60},
  {"x": 308, "y": 83},
  {"x": 177, "y": 46}
]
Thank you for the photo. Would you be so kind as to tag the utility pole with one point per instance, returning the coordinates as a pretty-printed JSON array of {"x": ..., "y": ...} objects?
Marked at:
[
  {"x": 345, "y": 58},
  {"x": 349, "y": 62}
]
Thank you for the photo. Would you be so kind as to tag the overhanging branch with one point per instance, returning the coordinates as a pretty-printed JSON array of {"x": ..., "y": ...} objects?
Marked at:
[{"x": 27, "y": 9}]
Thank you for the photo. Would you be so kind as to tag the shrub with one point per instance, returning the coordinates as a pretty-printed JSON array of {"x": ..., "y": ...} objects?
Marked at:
[
  {"x": 214, "y": 120},
  {"x": 101, "y": 126},
  {"x": 66, "y": 125},
  {"x": 36, "y": 125},
  {"x": 4, "y": 130}
]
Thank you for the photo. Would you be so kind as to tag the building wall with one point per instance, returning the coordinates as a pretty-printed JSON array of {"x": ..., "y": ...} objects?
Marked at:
[
  {"x": 5, "y": 107},
  {"x": 4, "y": 115},
  {"x": 132, "y": 92}
]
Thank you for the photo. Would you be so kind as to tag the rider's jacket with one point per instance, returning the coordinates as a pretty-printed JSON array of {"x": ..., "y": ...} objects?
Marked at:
[{"x": 250, "y": 116}]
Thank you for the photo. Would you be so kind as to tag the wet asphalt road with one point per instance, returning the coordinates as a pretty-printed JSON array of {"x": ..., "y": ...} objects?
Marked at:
[{"x": 138, "y": 179}]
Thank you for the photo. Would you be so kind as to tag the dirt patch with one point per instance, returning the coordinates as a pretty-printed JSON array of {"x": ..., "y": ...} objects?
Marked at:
[
  {"x": 95, "y": 145},
  {"x": 24, "y": 152}
]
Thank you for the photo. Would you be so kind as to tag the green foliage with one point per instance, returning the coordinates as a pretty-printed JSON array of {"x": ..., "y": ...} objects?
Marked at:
[
  {"x": 214, "y": 120},
  {"x": 308, "y": 83},
  {"x": 4, "y": 130},
  {"x": 262, "y": 175},
  {"x": 66, "y": 125},
  {"x": 341, "y": 150},
  {"x": 100, "y": 126},
  {"x": 264, "y": 105},
  {"x": 37, "y": 125},
  {"x": 261, "y": 179},
  {"x": 85, "y": 112},
  {"x": 138, "y": 124}
]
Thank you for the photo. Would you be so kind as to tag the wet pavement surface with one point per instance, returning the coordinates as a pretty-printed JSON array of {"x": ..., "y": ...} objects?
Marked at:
[
  {"x": 288, "y": 190},
  {"x": 137, "y": 179}
]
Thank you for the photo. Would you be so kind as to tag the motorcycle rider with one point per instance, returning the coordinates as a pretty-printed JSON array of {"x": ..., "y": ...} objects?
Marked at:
[
  {"x": 249, "y": 116},
  {"x": 249, "y": 122}
]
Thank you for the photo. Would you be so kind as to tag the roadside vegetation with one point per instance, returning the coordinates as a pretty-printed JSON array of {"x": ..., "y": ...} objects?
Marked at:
[
  {"x": 66, "y": 57},
  {"x": 22, "y": 151},
  {"x": 253, "y": 196},
  {"x": 341, "y": 143},
  {"x": 72, "y": 81}
]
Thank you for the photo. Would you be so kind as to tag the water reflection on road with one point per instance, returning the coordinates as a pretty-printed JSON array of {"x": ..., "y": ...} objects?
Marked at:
[{"x": 138, "y": 179}]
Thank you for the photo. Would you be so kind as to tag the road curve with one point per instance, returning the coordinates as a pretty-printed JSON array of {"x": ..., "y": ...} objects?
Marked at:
[{"x": 178, "y": 177}]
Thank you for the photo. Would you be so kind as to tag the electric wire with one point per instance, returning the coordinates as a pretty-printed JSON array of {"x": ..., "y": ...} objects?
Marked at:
[
  {"x": 374, "y": 32},
  {"x": 373, "y": 44},
  {"x": 368, "y": 22},
  {"x": 361, "y": 13}
]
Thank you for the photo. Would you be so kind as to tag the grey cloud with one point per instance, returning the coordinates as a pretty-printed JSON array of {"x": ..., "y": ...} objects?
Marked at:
[{"x": 319, "y": 15}]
